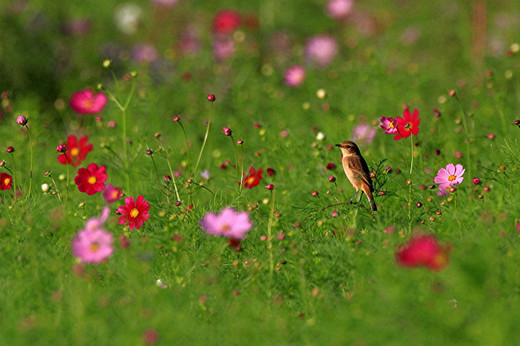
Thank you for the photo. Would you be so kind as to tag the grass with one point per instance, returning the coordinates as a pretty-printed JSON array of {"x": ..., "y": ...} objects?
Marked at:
[{"x": 334, "y": 280}]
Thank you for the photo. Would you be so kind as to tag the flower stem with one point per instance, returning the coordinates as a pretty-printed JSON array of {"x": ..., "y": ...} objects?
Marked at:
[
  {"x": 269, "y": 234},
  {"x": 205, "y": 139},
  {"x": 14, "y": 177},
  {"x": 466, "y": 131},
  {"x": 239, "y": 179},
  {"x": 31, "y": 162},
  {"x": 186, "y": 143},
  {"x": 410, "y": 188}
]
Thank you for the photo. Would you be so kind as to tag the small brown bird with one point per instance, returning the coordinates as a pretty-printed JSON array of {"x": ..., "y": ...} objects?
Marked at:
[{"x": 357, "y": 171}]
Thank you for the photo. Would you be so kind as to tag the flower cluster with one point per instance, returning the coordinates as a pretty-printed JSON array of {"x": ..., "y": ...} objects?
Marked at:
[
  {"x": 423, "y": 250},
  {"x": 402, "y": 127}
]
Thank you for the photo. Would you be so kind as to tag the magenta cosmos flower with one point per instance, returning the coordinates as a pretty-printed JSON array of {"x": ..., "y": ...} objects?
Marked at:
[
  {"x": 134, "y": 212},
  {"x": 294, "y": 76},
  {"x": 93, "y": 244},
  {"x": 339, "y": 8},
  {"x": 449, "y": 176},
  {"x": 389, "y": 125},
  {"x": 321, "y": 49},
  {"x": 86, "y": 102},
  {"x": 229, "y": 223}
]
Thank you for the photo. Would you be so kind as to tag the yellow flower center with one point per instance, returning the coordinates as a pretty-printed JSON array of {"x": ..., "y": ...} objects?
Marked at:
[
  {"x": 89, "y": 104},
  {"x": 74, "y": 152},
  {"x": 391, "y": 125},
  {"x": 134, "y": 213},
  {"x": 250, "y": 180},
  {"x": 7, "y": 181},
  {"x": 225, "y": 228},
  {"x": 115, "y": 194},
  {"x": 452, "y": 177},
  {"x": 92, "y": 180},
  {"x": 94, "y": 247}
]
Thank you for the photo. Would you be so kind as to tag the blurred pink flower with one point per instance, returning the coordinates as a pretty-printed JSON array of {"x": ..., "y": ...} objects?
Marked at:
[
  {"x": 423, "y": 250},
  {"x": 86, "y": 102},
  {"x": 223, "y": 47},
  {"x": 339, "y": 8},
  {"x": 144, "y": 53},
  {"x": 165, "y": 3},
  {"x": 93, "y": 244},
  {"x": 363, "y": 133},
  {"x": 294, "y": 76},
  {"x": 112, "y": 193},
  {"x": 449, "y": 176},
  {"x": 229, "y": 223},
  {"x": 321, "y": 49},
  {"x": 226, "y": 21}
]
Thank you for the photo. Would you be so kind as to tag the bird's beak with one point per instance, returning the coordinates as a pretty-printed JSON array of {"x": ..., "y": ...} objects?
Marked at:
[{"x": 338, "y": 145}]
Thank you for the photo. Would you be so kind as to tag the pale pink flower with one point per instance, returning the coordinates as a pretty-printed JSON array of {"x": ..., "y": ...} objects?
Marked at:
[
  {"x": 294, "y": 76},
  {"x": 86, "y": 102},
  {"x": 223, "y": 47},
  {"x": 165, "y": 3},
  {"x": 363, "y": 133},
  {"x": 339, "y": 8},
  {"x": 144, "y": 53},
  {"x": 321, "y": 49},
  {"x": 449, "y": 176},
  {"x": 93, "y": 244},
  {"x": 229, "y": 223}
]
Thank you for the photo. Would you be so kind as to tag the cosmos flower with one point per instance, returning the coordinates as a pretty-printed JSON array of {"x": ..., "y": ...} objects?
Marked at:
[
  {"x": 339, "y": 8},
  {"x": 363, "y": 133},
  {"x": 253, "y": 177},
  {"x": 226, "y": 21},
  {"x": 407, "y": 125},
  {"x": 112, "y": 193},
  {"x": 321, "y": 49},
  {"x": 294, "y": 76},
  {"x": 93, "y": 244},
  {"x": 423, "y": 250},
  {"x": 76, "y": 152},
  {"x": 86, "y": 102},
  {"x": 5, "y": 181},
  {"x": 134, "y": 212},
  {"x": 389, "y": 125},
  {"x": 449, "y": 176},
  {"x": 91, "y": 179},
  {"x": 229, "y": 223}
]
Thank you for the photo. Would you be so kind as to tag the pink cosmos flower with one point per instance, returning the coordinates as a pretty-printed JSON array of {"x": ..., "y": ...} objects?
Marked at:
[
  {"x": 449, "y": 176},
  {"x": 144, "y": 53},
  {"x": 86, "y": 102},
  {"x": 321, "y": 49},
  {"x": 223, "y": 47},
  {"x": 93, "y": 244},
  {"x": 339, "y": 8},
  {"x": 363, "y": 133},
  {"x": 112, "y": 193},
  {"x": 229, "y": 223},
  {"x": 389, "y": 125},
  {"x": 294, "y": 76}
]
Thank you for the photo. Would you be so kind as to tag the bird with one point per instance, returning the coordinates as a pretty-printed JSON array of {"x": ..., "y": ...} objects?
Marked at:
[{"x": 357, "y": 171}]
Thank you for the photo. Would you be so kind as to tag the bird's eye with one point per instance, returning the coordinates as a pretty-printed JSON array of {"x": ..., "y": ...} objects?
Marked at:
[{"x": 349, "y": 146}]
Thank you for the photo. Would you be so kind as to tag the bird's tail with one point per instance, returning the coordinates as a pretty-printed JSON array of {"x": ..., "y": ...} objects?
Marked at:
[{"x": 372, "y": 204}]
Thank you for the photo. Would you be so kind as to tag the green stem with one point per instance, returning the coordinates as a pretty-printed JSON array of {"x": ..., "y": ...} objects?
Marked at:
[
  {"x": 186, "y": 143},
  {"x": 173, "y": 177},
  {"x": 468, "y": 140},
  {"x": 125, "y": 161},
  {"x": 205, "y": 139},
  {"x": 31, "y": 162},
  {"x": 14, "y": 176},
  {"x": 269, "y": 235},
  {"x": 236, "y": 165},
  {"x": 410, "y": 188}
]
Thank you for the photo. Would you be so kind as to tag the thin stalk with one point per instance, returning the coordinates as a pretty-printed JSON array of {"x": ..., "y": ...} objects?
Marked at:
[
  {"x": 205, "y": 139},
  {"x": 410, "y": 188},
  {"x": 466, "y": 131},
  {"x": 31, "y": 162},
  {"x": 239, "y": 180},
  {"x": 173, "y": 177},
  {"x": 269, "y": 235},
  {"x": 14, "y": 176}
]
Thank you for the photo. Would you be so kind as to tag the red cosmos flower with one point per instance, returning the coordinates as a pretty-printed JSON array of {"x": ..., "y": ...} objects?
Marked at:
[
  {"x": 5, "y": 181},
  {"x": 408, "y": 125},
  {"x": 423, "y": 250},
  {"x": 253, "y": 178},
  {"x": 134, "y": 213},
  {"x": 76, "y": 152},
  {"x": 226, "y": 21},
  {"x": 91, "y": 179},
  {"x": 85, "y": 102}
]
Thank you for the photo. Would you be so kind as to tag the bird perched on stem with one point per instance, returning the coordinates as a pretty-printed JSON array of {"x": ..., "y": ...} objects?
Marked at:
[{"x": 357, "y": 172}]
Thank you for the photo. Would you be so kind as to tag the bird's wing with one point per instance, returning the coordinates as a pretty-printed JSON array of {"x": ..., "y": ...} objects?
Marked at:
[{"x": 360, "y": 168}]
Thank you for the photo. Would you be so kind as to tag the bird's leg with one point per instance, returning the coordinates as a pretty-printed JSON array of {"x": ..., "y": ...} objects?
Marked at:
[{"x": 350, "y": 201}]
